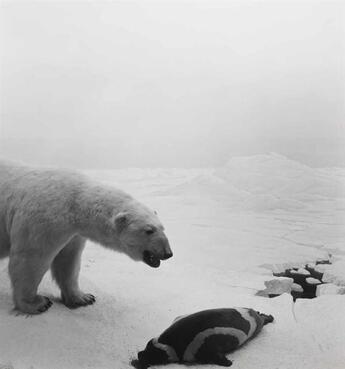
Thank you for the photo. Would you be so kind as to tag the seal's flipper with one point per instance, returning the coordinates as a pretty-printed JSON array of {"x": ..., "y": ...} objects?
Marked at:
[
  {"x": 222, "y": 360},
  {"x": 209, "y": 357},
  {"x": 267, "y": 318}
]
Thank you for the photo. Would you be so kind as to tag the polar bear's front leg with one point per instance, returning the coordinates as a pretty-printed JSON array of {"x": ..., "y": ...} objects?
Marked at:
[
  {"x": 26, "y": 272},
  {"x": 65, "y": 269}
]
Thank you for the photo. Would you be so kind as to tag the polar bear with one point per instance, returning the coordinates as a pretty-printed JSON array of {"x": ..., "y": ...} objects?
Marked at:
[{"x": 46, "y": 215}]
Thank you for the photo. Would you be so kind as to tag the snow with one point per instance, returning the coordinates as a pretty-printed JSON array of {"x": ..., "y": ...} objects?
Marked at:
[{"x": 229, "y": 228}]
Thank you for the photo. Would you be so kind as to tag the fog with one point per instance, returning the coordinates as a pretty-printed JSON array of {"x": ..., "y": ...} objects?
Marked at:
[{"x": 171, "y": 83}]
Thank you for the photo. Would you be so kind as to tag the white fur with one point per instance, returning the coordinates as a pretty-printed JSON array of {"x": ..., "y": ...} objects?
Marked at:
[{"x": 45, "y": 218}]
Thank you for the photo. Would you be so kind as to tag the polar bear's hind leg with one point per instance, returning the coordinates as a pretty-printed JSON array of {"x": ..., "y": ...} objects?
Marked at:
[{"x": 65, "y": 270}]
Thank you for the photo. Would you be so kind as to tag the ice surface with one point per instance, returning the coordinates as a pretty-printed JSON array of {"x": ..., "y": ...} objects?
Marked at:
[
  {"x": 268, "y": 182},
  {"x": 229, "y": 228},
  {"x": 329, "y": 289},
  {"x": 313, "y": 281},
  {"x": 300, "y": 271},
  {"x": 277, "y": 286},
  {"x": 296, "y": 287}
]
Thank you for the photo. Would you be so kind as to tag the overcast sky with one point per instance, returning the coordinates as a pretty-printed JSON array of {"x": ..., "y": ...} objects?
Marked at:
[{"x": 172, "y": 83}]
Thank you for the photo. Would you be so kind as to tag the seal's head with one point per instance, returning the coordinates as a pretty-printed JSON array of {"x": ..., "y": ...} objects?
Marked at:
[{"x": 152, "y": 355}]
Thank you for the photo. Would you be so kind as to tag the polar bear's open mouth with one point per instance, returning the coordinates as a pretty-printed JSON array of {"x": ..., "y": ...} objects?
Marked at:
[{"x": 151, "y": 260}]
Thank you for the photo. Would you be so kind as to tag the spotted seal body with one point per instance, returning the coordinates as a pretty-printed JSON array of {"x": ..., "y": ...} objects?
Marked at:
[{"x": 204, "y": 337}]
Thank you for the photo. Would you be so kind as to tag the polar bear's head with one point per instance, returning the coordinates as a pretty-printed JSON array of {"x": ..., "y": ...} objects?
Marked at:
[{"x": 142, "y": 236}]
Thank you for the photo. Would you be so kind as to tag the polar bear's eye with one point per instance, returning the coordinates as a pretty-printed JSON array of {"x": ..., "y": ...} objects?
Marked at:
[{"x": 149, "y": 231}]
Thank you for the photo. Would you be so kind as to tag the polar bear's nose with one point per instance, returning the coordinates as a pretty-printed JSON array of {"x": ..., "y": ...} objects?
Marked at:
[{"x": 167, "y": 255}]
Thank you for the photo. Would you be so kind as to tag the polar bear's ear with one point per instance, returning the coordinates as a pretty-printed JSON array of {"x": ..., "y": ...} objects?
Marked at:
[{"x": 121, "y": 221}]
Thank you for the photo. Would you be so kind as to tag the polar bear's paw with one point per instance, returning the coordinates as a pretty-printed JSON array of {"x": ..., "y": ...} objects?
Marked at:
[
  {"x": 80, "y": 299},
  {"x": 38, "y": 305}
]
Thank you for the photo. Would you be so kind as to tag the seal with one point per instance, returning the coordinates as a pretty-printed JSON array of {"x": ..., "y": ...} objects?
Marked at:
[{"x": 204, "y": 337}]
